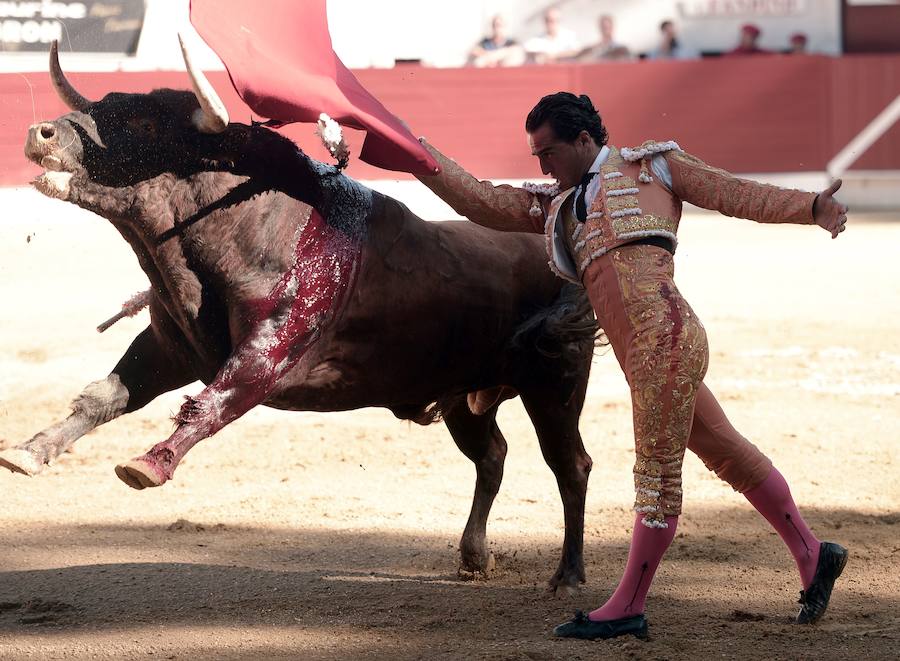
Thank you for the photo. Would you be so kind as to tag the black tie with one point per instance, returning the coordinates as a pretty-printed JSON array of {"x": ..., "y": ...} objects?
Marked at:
[{"x": 581, "y": 201}]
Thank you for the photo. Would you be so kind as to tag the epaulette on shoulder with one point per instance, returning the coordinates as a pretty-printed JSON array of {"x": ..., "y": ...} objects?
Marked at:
[
  {"x": 551, "y": 190},
  {"x": 541, "y": 189},
  {"x": 648, "y": 148}
]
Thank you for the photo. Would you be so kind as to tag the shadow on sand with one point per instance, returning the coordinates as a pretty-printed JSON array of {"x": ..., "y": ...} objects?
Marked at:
[{"x": 402, "y": 589}]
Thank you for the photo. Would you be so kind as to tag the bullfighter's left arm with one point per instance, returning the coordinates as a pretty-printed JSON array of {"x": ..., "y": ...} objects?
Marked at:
[{"x": 713, "y": 188}]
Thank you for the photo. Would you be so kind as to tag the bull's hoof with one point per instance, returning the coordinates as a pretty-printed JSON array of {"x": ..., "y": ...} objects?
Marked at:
[
  {"x": 477, "y": 575},
  {"x": 567, "y": 580},
  {"x": 21, "y": 461},
  {"x": 140, "y": 474},
  {"x": 477, "y": 571},
  {"x": 563, "y": 591}
]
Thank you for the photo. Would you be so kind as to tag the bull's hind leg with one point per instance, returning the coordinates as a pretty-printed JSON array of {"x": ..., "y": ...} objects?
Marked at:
[
  {"x": 480, "y": 439},
  {"x": 556, "y": 424},
  {"x": 143, "y": 373}
]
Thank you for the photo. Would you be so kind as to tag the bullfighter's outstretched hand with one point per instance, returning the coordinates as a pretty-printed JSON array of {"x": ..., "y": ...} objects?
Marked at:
[{"x": 828, "y": 213}]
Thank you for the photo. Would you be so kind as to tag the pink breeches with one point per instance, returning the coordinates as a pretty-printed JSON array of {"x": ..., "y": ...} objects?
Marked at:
[{"x": 661, "y": 346}]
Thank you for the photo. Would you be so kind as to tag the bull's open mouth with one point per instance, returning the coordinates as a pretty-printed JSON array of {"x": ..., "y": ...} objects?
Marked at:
[
  {"x": 57, "y": 175},
  {"x": 55, "y": 180}
]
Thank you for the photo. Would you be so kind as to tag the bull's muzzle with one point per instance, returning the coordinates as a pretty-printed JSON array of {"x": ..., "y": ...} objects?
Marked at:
[{"x": 47, "y": 143}]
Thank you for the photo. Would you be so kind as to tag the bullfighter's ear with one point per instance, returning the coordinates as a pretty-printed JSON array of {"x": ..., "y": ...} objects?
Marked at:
[{"x": 212, "y": 117}]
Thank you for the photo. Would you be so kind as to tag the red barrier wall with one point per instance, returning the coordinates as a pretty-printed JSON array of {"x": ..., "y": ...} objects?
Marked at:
[{"x": 757, "y": 114}]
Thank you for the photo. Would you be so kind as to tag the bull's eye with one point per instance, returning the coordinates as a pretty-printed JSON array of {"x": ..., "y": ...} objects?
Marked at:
[{"x": 145, "y": 127}]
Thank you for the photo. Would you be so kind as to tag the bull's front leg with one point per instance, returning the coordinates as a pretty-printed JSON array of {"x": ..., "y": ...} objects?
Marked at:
[
  {"x": 247, "y": 378},
  {"x": 145, "y": 371},
  {"x": 286, "y": 322}
]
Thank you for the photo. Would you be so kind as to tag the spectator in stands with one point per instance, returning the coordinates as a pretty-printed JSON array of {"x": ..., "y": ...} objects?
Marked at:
[
  {"x": 607, "y": 48},
  {"x": 747, "y": 42},
  {"x": 557, "y": 43},
  {"x": 497, "y": 49},
  {"x": 670, "y": 46},
  {"x": 798, "y": 44}
]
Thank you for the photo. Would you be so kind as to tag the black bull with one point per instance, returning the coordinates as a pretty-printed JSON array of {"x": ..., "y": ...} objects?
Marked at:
[{"x": 439, "y": 310}]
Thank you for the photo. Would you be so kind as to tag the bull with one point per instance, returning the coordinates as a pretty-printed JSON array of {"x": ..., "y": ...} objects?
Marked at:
[{"x": 213, "y": 210}]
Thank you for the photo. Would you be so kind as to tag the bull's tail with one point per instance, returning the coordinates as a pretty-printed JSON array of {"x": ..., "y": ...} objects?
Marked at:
[{"x": 566, "y": 329}]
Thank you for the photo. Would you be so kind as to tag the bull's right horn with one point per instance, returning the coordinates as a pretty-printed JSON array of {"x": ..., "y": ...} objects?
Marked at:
[
  {"x": 212, "y": 116},
  {"x": 63, "y": 87}
]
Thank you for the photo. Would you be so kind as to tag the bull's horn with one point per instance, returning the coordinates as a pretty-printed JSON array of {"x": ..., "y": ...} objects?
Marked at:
[
  {"x": 63, "y": 87},
  {"x": 212, "y": 116}
]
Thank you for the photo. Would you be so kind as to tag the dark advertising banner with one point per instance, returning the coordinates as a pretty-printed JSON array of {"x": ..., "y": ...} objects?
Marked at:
[{"x": 85, "y": 26}]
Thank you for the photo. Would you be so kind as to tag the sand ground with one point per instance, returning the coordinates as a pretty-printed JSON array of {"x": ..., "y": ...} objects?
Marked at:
[{"x": 334, "y": 536}]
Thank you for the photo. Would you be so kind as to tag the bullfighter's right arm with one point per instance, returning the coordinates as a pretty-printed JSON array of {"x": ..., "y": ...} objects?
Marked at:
[{"x": 505, "y": 208}]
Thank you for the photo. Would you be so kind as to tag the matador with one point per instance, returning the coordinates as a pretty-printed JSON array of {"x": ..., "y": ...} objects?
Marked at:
[{"x": 611, "y": 224}]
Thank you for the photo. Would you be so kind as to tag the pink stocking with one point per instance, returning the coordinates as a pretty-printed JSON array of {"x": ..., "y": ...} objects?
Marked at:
[
  {"x": 647, "y": 548},
  {"x": 773, "y": 500}
]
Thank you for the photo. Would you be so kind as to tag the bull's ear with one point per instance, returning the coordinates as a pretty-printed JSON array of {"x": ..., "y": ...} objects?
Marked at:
[
  {"x": 63, "y": 87},
  {"x": 212, "y": 117}
]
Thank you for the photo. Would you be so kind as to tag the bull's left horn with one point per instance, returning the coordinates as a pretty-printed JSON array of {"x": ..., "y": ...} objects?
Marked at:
[
  {"x": 63, "y": 87},
  {"x": 212, "y": 116}
]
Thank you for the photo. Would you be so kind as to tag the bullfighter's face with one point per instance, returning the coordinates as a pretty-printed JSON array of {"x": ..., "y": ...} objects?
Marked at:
[{"x": 565, "y": 161}]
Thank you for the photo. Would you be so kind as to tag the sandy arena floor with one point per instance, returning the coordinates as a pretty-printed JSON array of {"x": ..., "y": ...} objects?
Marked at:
[{"x": 334, "y": 536}]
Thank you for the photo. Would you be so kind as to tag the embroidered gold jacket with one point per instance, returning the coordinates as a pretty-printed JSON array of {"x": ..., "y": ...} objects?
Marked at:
[{"x": 630, "y": 204}]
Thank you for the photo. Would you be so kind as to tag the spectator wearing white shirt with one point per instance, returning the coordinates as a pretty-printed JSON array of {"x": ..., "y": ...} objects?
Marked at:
[
  {"x": 607, "y": 48},
  {"x": 557, "y": 43}
]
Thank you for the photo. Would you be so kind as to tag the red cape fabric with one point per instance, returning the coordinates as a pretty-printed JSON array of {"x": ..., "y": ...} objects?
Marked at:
[{"x": 281, "y": 62}]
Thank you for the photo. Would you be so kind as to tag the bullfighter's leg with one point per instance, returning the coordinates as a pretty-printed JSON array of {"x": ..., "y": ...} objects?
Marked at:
[
  {"x": 142, "y": 374},
  {"x": 556, "y": 424},
  {"x": 737, "y": 461},
  {"x": 480, "y": 439}
]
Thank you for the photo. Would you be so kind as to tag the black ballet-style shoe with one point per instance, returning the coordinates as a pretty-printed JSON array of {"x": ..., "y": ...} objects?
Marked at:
[
  {"x": 814, "y": 599},
  {"x": 583, "y": 627}
]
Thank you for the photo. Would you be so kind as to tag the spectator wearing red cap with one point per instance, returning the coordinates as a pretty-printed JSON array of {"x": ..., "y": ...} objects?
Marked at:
[
  {"x": 747, "y": 44},
  {"x": 798, "y": 44}
]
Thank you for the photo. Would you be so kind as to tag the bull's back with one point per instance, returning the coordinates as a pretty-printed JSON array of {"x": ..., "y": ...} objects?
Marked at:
[{"x": 451, "y": 276}]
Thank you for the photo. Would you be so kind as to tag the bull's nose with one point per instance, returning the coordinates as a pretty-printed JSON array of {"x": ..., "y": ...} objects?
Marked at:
[
  {"x": 44, "y": 132},
  {"x": 43, "y": 139}
]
